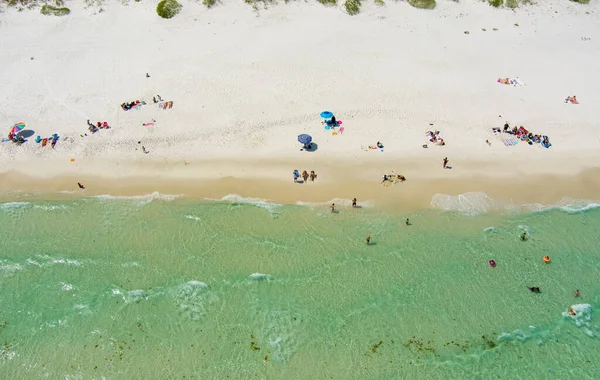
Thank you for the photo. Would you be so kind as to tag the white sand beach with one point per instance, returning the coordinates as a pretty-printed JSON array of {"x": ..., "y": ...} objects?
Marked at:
[{"x": 245, "y": 83}]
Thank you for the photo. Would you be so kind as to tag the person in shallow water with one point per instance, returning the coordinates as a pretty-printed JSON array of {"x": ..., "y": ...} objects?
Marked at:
[
  {"x": 524, "y": 236},
  {"x": 368, "y": 239},
  {"x": 571, "y": 311},
  {"x": 577, "y": 294},
  {"x": 354, "y": 202},
  {"x": 535, "y": 289}
]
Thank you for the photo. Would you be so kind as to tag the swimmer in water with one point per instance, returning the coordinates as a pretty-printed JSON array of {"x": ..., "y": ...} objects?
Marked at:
[
  {"x": 535, "y": 289},
  {"x": 368, "y": 239},
  {"x": 577, "y": 294},
  {"x": 571, "y": 311},
  {"x": 524, "y": 236}
]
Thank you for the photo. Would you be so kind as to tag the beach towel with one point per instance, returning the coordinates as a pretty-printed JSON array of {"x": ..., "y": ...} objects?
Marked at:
[{"x": 44, "y": 141}]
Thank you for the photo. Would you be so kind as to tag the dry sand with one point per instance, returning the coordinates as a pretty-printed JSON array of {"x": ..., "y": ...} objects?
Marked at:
[{"x": 246, "y": 83}]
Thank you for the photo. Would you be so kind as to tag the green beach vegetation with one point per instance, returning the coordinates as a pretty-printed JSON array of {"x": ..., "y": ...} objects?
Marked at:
[
  {"x": 422, "y": 4},
  {"x": 352, "y": 7},
  {"x": 581, "y": 1},
  {"x": 49, "y": 10},
  {"x": 168, "y": 8}
]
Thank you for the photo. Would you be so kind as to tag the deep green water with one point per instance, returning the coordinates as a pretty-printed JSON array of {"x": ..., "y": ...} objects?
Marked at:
[{"x": 149, "y": 288}]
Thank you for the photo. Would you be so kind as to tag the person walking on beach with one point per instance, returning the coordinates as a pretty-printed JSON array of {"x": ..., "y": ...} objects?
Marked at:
[
  {"x": 445, "y": 162},
  {"x": 332, "y": 207},
  {"x": 80, "y": 186},
  {"x": 144, "y": 150},
  {"x": 354, "y": 202},
  {"x": 368, "y": 239},
  {"x": 305, "y": 176},
  {"x": 407, "y": 222}
]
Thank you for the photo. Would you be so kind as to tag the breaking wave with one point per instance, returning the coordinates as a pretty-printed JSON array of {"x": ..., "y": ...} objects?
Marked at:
[{"x": 477, "y": 203}]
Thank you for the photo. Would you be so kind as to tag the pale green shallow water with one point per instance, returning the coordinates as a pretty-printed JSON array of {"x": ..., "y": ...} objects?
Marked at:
[{"x": 134, "y": 289}]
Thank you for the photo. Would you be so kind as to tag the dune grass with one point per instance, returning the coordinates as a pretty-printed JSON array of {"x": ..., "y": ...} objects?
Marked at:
[
  {"x": 496, "y": 3},
  {"x": 209, "y": 3},
  {"x": 581, "y": 1},
  {"x": 49, "y": 10},
  {"x": 422, "y": 4},
  {"x": 168, "y": 8}
]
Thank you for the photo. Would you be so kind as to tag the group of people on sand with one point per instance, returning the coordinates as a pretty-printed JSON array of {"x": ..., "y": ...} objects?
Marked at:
[
  {"x": 572, "y": 99},
  {"x": 99, "y": 125},
  {"x": 393, "y": 178},
  {"x": 129, "y": 105},
  {"x": 525, "y": 135},
  {"x": 305, "y": 176},
  {"x": 435, "y": 137},
  {"x": 16, "y": 138}
]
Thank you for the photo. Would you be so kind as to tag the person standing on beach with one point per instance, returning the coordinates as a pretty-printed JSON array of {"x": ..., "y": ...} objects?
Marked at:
[
  {"x": 445, "y": 162},
  {"x": 332, "y": 207},
  {"x": 354, "y": 202},
  {"x": 368, "y": 239},
  {"x": 407, "y": 222}
]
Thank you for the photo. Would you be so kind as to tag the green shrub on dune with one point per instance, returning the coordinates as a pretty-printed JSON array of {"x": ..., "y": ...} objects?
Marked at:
[
  {"x": 328, "y": 2},
  {"x": 49, "y": 10},
  {"x": 581, "y": 1},
  {"x": 209, "y": 3},
  {"x": 352, "y": 7},
  {"x": 168, "y": 8},
  {"x": 422, "y": 4},
  {"x": 496, "y": 3}
]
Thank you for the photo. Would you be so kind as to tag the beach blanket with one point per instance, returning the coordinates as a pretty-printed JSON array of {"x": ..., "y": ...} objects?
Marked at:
[
  {"x": 511, "y": 81},
  {"x": 512, "y": 141}
]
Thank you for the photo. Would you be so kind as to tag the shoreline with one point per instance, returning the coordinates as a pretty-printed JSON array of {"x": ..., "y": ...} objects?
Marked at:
[{"x": 415, "y": 194}]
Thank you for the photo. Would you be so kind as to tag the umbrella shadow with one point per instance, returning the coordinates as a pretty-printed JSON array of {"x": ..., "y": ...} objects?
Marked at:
[
  {"x": 26, "y": 133},
  {"x": 312, "y": 147}
]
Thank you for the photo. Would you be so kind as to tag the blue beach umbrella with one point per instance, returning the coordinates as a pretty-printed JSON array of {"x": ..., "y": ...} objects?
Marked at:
[
  {"x": 326, "y": 115},
  {"x": 304, "y": 139}
]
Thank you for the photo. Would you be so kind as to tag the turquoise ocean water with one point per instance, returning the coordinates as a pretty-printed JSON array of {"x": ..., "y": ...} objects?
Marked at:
[{"x": 160, "y": 288}]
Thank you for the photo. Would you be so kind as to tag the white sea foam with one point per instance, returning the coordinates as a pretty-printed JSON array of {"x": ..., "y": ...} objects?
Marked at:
[
  {"x": 45, "y": 260},
  {"x": 477, "y": 203},
  {"x": 582, "y": 317},
  {"x": 258, "y": 202},
  {"x": 193, "y": 297},
  {"x": 49, "y": 207},
  {"x": 66, "y": 287},
  {"x": 11, "y": 206},
  {"x": 260, "y": 277},
  {"x": 192, "y": 217},
  {"x": 491, "y": 230},
  {"x": 140, "y": 200},
  {"x": 8, "y": 267},
  {"x": 132, "y": 264},
  {"x": 131, "y": 296}
]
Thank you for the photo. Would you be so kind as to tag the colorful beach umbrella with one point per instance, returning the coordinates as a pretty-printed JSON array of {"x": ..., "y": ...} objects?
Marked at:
[
  {"x": 304, "y": 139},
  {"x": 326, "y": 115},
  {"x": 17, "y": 127}
]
